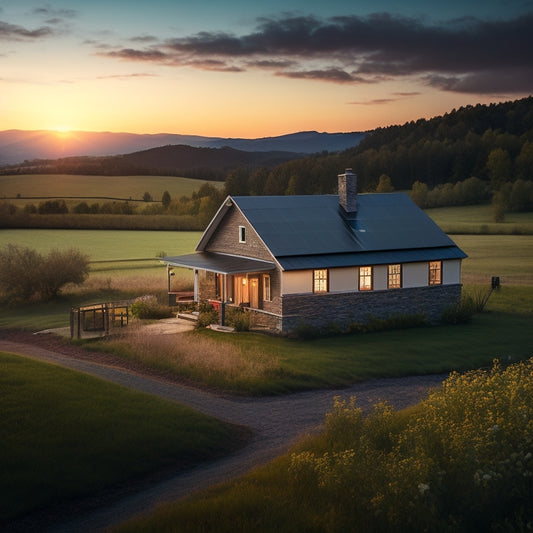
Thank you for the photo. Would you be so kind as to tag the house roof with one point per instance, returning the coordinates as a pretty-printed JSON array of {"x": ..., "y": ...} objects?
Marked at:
[
  {"x": 220, "y": 263},
  {"x": 314, "y": 225},
  {"x": 305, "y": 232}
]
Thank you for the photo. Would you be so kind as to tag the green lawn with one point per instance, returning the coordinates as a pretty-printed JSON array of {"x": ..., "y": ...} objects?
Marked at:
[
  {"x": 62, "y": 185},
  {"x": 64, "y": 434}
]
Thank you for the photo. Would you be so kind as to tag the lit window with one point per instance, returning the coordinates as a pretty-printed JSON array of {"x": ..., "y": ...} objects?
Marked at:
[
  {"x": 242, "y": 234},
  {"x": 435, "y": 272},
  {"x": 365, "y": 278},
  {"x": 320, "y": 280},
  {"x": 266, "y": 287},
  {"x": 394, "y": 280}
]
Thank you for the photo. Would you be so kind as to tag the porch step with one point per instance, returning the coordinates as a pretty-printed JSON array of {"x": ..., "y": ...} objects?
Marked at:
[{"x": 189, "y": 316}]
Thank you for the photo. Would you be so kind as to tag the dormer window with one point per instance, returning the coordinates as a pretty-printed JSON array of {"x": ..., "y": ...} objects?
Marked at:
[{"x": 242, "y": 234}]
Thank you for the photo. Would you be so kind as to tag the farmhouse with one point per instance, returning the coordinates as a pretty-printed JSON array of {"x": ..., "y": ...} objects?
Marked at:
[{"x": 318, "y": 260}]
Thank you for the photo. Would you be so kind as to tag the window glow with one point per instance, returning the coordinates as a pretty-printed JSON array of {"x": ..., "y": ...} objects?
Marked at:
[
  {"x": 320, "y": 280},
  {"x": 435, "y": 272},
  {"x": 394, "y": 280},
  {"x": 365, "y": 278}
]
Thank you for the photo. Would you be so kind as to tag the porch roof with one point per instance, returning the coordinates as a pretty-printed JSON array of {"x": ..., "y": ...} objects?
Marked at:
[{"x": 220, "y": 263}]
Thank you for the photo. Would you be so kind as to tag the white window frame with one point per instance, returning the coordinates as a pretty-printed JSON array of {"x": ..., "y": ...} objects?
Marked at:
[{"x": 242, "y": 234}]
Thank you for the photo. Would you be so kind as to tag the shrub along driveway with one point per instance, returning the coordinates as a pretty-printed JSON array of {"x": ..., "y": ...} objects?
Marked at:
[{"x": 277, "y": 422}]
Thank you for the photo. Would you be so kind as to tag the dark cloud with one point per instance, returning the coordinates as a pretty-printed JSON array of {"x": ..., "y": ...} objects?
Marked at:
[
  {"x": 465, "y": 55},
  {"x": 137, "y": 55},
  {"x": 17, "y": 33},
  {"x": 377, "y": 101},
  {"x": 55, "y": 13},
  {"x": 507, "y": 81},
  {"x": 332, "y": 74},
  {"x": 270, "y": 63},
  {"x": 144, "y": 39}
]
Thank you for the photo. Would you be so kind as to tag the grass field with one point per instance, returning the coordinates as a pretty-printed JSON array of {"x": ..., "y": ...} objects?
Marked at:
[
  {"x": 477, "y": 220},
  {"x": 507, "y": 256},
  {"x": 106, "y": 245},
  {"x": 66, "y": 435},
  {"x": 127, "y": 187}
]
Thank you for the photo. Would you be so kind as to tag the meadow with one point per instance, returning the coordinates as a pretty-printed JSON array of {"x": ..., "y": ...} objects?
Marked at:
[
  {"x": 477, "y": 220},
  {"x": 92, "y": 187}
]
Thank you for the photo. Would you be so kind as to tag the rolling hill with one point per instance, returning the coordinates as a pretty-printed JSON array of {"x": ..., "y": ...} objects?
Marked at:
[{"x": 17, "y": 146}]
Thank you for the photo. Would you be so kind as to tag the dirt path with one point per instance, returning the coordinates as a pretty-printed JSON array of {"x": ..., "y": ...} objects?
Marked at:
[{"x": 277, "y": 422}]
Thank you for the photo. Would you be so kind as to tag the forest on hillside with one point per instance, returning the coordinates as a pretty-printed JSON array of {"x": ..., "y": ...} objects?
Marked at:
[{"x": 493, "y": 143}]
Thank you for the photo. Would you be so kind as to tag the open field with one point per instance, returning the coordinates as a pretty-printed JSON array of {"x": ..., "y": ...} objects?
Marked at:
[
  {"x": 127, "y": 187},
  {"x": 68, "y": 435},
  {"x": 477, "y": 219},
  {"x": 507, "y": 256},
  {"x": 106, "y": 245}
]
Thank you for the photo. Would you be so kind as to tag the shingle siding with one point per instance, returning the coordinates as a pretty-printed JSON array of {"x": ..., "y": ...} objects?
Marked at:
[{"x": 226, "y": 239}]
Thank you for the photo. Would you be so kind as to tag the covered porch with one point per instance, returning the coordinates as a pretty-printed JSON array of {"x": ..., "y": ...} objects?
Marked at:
[{"x": 227, "y": 280}]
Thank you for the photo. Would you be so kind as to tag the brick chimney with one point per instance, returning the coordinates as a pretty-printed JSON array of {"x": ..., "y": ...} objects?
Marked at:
[{"x": 348, "y": 191}]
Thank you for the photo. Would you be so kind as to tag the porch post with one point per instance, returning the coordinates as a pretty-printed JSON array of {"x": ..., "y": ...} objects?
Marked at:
[
  {"x": 195, "y": 285},
  {"x": 223, "y": 305}
]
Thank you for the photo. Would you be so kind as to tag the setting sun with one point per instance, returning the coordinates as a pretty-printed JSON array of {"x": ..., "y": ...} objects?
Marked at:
[{"x": 62, "y": 130}]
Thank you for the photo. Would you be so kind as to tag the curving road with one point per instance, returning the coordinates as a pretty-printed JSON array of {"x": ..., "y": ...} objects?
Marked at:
[{"x": 277, "y": 423}]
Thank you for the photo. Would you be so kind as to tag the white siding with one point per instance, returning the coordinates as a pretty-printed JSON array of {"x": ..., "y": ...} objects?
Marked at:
[
  {"x": 415, "y": 275},
  {"x": 380, "y": 277},
  {"x": 342, "y": 279},
  {"x": 347, "y": 279},
  {"x": 451, "y": 272},
  {"x": 297, "y": 282}
]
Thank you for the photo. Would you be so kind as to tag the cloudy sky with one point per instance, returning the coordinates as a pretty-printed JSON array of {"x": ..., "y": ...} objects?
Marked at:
[{"x": 244, "y": 68}]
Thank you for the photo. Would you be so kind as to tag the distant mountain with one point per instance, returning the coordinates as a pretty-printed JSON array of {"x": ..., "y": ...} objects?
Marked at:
[
  {"x": 171, "y": 160},
  {"x": 17, "y": 146}
]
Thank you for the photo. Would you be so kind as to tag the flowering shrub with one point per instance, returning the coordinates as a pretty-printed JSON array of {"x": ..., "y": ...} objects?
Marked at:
[
  {"x": 462, "y": 461},
  {"x": 147, "y": 307}
]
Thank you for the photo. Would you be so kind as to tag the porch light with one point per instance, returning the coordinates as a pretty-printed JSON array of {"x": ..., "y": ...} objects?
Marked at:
[{"x": 244, "y": 281}]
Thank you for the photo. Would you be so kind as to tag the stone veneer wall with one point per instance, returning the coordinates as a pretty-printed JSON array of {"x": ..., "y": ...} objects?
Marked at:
[{"x": 343, "y": 309}]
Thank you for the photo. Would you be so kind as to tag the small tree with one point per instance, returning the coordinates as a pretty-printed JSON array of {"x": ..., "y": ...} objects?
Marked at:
[
  {"x": 385, "y": 184},
  {"x": 166, "y": 199},
  {"x": 25, "y": 273},
  {"x": 61, "y": 267},
  {"x": 499, "y": 206},
  {"x": 147, "y": 197}
]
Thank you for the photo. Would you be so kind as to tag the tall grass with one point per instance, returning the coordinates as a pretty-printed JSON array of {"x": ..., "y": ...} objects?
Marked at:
[
  {"x": 197, "y": 358},
  {"x": 459, "y": 462}
]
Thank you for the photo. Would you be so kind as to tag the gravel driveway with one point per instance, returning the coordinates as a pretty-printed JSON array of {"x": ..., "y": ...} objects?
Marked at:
[{"x": 277, "y": 422}]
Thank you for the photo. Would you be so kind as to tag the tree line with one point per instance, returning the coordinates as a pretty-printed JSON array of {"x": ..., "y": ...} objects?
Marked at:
[{"x": 467, "y": 156}]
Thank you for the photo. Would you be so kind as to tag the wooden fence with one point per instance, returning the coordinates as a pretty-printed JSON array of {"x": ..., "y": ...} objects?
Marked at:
[{"x": 98, "y": 319}]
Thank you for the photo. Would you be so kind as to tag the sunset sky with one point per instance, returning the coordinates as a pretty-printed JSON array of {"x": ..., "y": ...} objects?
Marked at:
[{"x": 243, "y": 68}]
